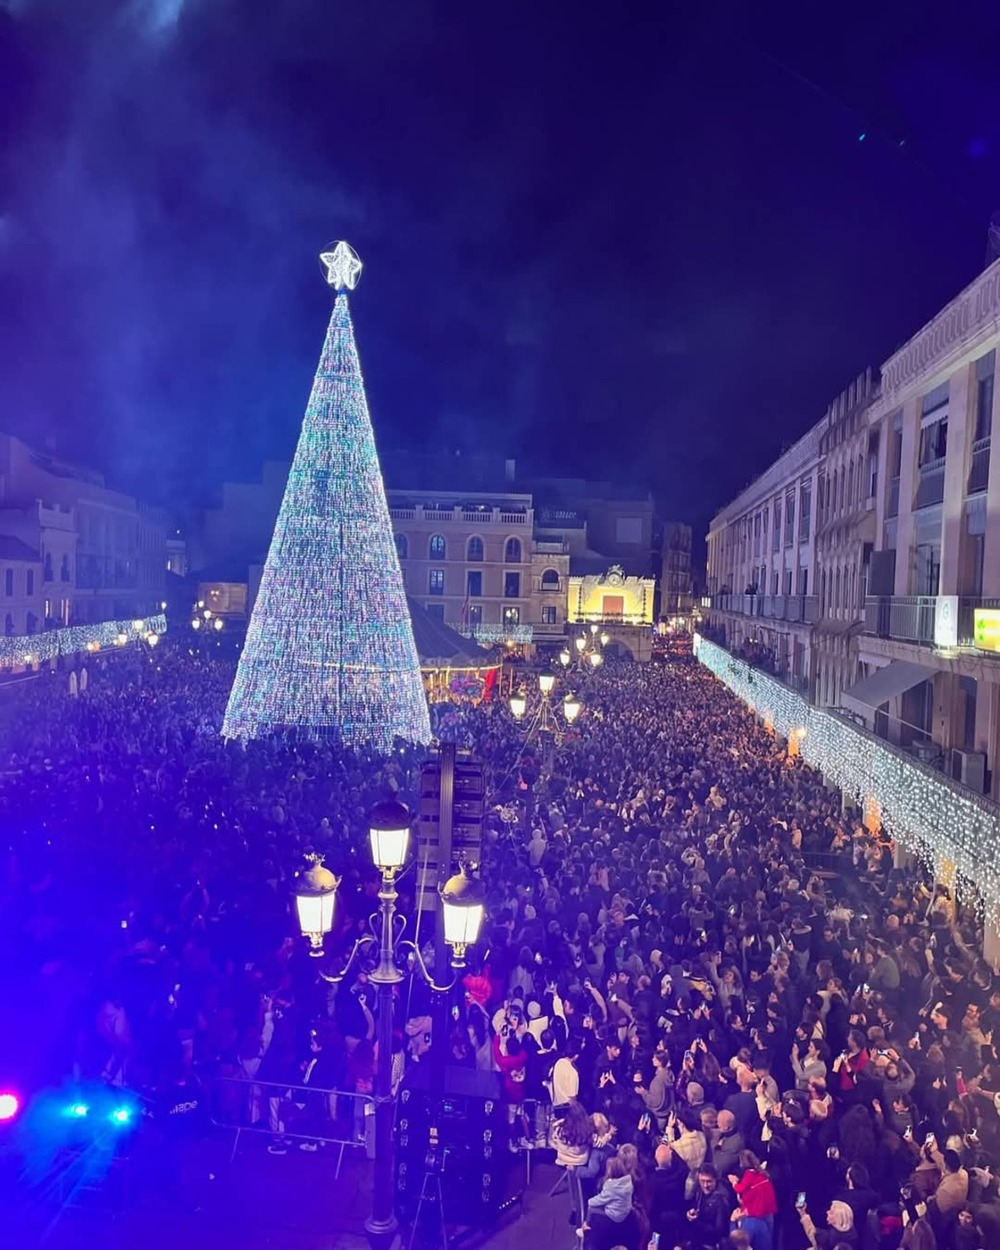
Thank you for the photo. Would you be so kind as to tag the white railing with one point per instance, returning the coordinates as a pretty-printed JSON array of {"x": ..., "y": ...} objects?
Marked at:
[
  {"x": 403, "y": 514},
  {"x": 513, "y": 518}
]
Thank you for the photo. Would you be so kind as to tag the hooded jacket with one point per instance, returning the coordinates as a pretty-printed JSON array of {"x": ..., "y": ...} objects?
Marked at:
[{"x": 614, "y": 1198}]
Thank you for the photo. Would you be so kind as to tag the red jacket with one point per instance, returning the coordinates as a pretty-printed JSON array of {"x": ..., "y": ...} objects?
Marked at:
[
  {"x": 513, "y": 1069},
  {"x": 756, "y": 1194}
]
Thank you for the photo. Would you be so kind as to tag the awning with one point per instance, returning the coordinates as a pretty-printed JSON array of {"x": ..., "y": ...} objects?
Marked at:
[{"x": 871, "y": 692}]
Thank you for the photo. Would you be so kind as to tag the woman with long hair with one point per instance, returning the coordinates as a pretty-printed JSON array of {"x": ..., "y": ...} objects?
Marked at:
[{"x": 571, "y": 1137}]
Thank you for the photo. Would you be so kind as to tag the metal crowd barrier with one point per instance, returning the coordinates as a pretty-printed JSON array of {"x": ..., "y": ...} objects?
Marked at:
[{"x": 296, "y": 1113}]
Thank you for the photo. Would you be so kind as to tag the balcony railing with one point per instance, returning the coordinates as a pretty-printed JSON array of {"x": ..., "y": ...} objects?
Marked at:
[
  {"x": 930, "y": 488},
  {"x": 907, "y": 618},
  {"x": 794, "y": 608},
  {"x": 910, "y": 618},
  {"x": 470, "y": 516},
  {"x": 979, "y": 467}
]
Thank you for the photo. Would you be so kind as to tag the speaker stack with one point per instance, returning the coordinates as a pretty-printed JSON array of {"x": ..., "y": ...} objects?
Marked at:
[{"x": 452, "y": 1142}]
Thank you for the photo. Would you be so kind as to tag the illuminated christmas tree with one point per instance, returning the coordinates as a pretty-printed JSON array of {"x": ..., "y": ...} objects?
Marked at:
[{"x": 329, "y": 651}]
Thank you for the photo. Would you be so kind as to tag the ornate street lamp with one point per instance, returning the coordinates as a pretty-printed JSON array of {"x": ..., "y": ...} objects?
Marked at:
[
  {"x": 314, "y": 903},
  {"x": 462, "y": 907},
  {"x": 546, "y": 681},
  {"x": 571, "y": 708},
  {"x": 565, "y": 657},
  {"x": 518, "y": 704}
]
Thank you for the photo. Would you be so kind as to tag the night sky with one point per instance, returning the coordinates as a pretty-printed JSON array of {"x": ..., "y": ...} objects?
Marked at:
[{"x": 636, "y": 240}]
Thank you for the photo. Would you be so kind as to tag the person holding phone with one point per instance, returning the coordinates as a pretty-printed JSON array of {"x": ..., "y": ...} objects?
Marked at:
[{"x": 840, "y": 1225}]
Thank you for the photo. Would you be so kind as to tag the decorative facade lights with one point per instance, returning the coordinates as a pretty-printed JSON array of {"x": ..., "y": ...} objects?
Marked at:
[
  {"x": 953, "y": 830},
  {"x": 37, "y": 648},
  {"x": 329, "y": 648}
]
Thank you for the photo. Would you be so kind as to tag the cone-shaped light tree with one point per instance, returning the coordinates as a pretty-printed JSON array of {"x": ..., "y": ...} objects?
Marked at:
[{"x": 329, "y": 652}]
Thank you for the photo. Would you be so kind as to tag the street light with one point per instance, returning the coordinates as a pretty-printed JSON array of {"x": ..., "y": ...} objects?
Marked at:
[
  {"x": 596, "y": 659},
  {"x": 389, "y": 830},
  {"x": 196, "y": 623},
  {"x": 545, "y": 683},
  {"x": 218, "y": 623},
  {"x": 565, "y": 657},
  {"x": 518, "y": 704},
  {"x": 462, "y": 908},
  {"x": 571, "y": 708},
  {"x": 581, "y": 642},
  {"x": 314, "y": 900},
  {"x": 605, "y": 639}
]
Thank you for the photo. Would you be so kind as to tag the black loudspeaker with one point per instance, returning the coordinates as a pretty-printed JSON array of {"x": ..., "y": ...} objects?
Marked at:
[{"x": 458, "y": 1134}]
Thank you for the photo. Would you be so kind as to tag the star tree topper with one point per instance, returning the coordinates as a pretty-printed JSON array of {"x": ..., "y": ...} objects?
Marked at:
[{"x": 343, "y": 266}]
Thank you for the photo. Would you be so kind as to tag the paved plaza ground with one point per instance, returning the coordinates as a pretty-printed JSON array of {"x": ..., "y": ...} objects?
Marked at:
[{"x": 264, "y": 1202}]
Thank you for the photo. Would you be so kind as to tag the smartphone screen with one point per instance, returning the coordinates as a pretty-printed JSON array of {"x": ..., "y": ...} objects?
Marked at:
[{"x": 800, "y": 1201}]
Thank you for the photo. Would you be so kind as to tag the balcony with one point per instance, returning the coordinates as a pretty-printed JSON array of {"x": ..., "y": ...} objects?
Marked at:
[
  {"x": 802, "y": 609},
  {"x": 910, "y": 618},
  {"x": 906, "y": 618}
]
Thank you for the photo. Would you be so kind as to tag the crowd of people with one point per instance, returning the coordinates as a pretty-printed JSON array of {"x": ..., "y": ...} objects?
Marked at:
[{"x": 706, "y": 988}]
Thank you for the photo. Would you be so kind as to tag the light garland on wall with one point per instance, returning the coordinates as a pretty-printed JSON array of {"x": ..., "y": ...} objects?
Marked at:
[
  {"x": 16, "y": 652},
  {"x": 499, "y": 633},
  {"x": 329, "y": 649},
  {"x": 955, "y": 831}
]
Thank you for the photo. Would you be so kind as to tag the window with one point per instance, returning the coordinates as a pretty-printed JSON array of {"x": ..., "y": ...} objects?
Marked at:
[
  {"x": 803, "y": 581},
  {"x": 512, "y": 585},
  {"x": 512, "y": 551},
  {"x": 549, "y": 614},
  {"x": 805, "y": 509},
  {"x": 776, "y": 531},
  {"x": 8, "y": 582},
  {"x": 437, "y": 547},
  {"x": 436, "y": 610},
  {"x": 985, "y": 373},
  {"x": 29, "y": 582},
  {"x": 435, "y": 582},
  {"x": 933, "y": 443},
  {"x": 788, "y": 581},
  {"x": 476, "y": 614},
  {"x": 774, "y": 580},
  {"x": 474, "y": 583},
  {"x": 64, "y": 569},
  {"x": 550, "y": 579},
  {"x": 628, "y": 530},
  {"x": 512, "y": 616},
  {"x": 47, "y": 610},
  {"x": 474, "y": 550},
  {"x": 8, "y": 626},
  {"x": 402, "y": 547},
  {"x": 48, "y": 566},
  {"x": 31, "y": 624}
]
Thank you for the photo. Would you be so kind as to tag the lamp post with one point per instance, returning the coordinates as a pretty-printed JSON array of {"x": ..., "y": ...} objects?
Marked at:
[
  {"x": 462, "y": 905},
  {"x": 546, "y": 726}
]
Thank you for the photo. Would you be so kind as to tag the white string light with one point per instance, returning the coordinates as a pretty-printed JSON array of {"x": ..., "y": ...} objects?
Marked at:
[
  {"x": 954, "y": 830},
  {"x": 74, "y": 639}
]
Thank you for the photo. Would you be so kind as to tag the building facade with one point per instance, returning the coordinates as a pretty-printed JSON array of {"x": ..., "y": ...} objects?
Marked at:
[
  {"x": 676, "y": 588},
  {"x": 930, "y": 676},
  {"x": 103, "y": 555},
  {"x": 761, "y": 574},
  {"x": 845, "y": 536}
]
